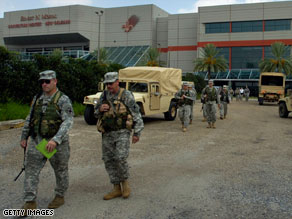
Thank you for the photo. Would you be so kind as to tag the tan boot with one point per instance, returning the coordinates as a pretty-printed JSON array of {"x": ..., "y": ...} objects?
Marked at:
[
  {"x": 29, "y": 205},
  {"x": 126, "y": 189},
  {"x": 209, "y": 125},
  {"x": 204, "y": 120},
  {"x": 184, "y": 129},
  {"x": 57, "y": 202},
  {"x": 213, "y": 125},
  {"x": 117, "y": 192}
]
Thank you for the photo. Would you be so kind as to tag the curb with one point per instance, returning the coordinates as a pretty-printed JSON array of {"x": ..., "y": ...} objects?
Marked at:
[{"x": 5, "y": 125}]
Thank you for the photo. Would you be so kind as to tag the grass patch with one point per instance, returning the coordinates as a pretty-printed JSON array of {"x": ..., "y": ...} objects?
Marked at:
[
  {"x": 13, "y": 110},
  {"x": 78, "y": 108}
]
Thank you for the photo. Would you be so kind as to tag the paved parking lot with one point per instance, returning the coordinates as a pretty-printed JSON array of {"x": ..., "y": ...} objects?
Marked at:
[{"x": 242, "y": 169}]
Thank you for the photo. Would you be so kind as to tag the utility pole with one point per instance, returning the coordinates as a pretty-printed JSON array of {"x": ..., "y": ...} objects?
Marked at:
[{"x": 99, "y": 13}]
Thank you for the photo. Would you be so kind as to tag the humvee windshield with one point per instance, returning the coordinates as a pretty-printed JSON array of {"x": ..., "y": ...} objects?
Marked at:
[
  {"x": 122, "y": 84},
  {"x": 272, "y": 80},
  {"x": 138, "y": 87}
]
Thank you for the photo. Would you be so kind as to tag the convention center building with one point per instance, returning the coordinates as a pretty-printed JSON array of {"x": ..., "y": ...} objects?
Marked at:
[{"x": 242, "y": 32}]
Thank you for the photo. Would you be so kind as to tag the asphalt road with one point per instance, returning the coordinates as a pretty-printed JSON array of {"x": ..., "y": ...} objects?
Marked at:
[{"x": 241, "y": 169}]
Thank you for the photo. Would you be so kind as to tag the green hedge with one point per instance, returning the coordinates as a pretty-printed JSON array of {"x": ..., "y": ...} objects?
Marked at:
[{"x": 76, "y": 77}]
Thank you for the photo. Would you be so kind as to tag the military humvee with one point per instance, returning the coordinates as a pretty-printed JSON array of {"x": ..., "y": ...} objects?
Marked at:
[
  {"x": 271, "y": 87},
  {"x": 153, "y": 88},
  {"x": 285, "y": 105}
]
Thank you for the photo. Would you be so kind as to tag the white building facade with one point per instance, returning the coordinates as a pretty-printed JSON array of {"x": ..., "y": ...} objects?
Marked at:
[{"x": 242, "y": 32}]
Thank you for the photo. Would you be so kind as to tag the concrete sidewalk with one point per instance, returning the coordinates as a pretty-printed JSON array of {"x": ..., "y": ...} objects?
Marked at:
[{"x": 10, "y": 124}]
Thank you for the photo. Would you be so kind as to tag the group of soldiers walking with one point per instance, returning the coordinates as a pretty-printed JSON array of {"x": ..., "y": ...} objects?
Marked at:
[
  {"x": 51, "y": 118},
  {"x": 240, "y": 93},
  {"x": 210, "y": 97},
  {"x": 119, "y": 117}
]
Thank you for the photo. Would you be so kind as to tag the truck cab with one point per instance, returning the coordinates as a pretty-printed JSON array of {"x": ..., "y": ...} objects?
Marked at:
[
  {"x": 271, "y": 87},
  {"x": 153, "y": 89}
]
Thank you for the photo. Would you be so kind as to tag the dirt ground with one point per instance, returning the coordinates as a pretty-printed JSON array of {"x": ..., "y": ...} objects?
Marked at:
[{"x": 241, "y": 169}]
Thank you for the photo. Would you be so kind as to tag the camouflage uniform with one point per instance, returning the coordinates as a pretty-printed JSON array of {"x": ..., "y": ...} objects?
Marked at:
[
  {"x": 204, "y": 104},
  {"x": 211, "y": 104},
  {"x": 186, "y": 106},
  {"x": 35, "y": 161},
  {"x": 116, "y": 144},
  {"x": 231, "y": 92},
  {"x": 192, "y": 106},
  {"x": 237, "y": 93},
  {"x": 224, "y": 100},
  {"x": 246, "y": 93}
]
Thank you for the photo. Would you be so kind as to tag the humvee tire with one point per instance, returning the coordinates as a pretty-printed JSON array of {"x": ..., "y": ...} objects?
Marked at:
[
  {"x": 170, "y": 115},
  {"x": 89, "y": 115},
  {"x": 283, "y": 112},
  {"x": 261, "y": 101}
]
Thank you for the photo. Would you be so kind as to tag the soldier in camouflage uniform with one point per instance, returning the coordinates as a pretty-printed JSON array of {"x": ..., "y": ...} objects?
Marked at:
[
  {"x": 51, "y": 117},
  {"x": 224, "y": 100},
  {"x": 211, "y": 97},
  {"x": 185, "y": 100},
  {"x": 117, "y": 114},
  {"x": 204, "y": 105},
  {"x": 246, "y": 93},
  {"x": 192, "y": 88}
]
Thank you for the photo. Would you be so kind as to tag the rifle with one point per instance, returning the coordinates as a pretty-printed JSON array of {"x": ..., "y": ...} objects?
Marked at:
[
  {"x": 30, "y": 133},
  {"x": 23, "y": 168}
]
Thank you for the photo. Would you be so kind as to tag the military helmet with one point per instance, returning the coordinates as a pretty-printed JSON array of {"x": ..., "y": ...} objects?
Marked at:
[
  {"x": 110, "y": 77},
  {"x": 47, "y": 75}
]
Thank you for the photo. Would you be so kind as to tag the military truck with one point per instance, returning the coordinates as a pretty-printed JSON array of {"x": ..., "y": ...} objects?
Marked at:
[
  {"x": 271, "y": 87},
  {"x": 153, "y": 88},
  {"x": 285, "y": 105}
]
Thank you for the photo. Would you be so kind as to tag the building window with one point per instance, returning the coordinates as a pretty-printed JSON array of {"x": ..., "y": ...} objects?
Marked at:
[
  {"x": 224, "y": 51},
  {"x": 269, "y": 54},
  {"x": 246, "y": 57},
  {"x": 223, "y": 27},
  {"x": 277, "y": 25},
  {"x": 247, "y": 26}
]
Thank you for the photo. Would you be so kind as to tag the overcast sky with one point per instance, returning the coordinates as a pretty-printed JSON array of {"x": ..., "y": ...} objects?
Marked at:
[{"x": 171, "y": 6}]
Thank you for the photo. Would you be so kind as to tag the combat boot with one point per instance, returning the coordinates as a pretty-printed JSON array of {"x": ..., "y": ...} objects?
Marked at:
[
  {"x": 221, "y": 117},
  {"x": 126, "y": 189},
  {"x": 191, "y": 121},
  {"x": 209, "y": 125},
  {"x": 213, "y": 125},
  {"x": 117, "y": 192},
  {"x": 29, "y": 205},
  {"x": 204, "y": 120},
  {"x": 184, "y": 129},
  {"x": 57, "y": 202}
]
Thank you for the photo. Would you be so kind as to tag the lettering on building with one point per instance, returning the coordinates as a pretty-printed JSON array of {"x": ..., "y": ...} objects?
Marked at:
[{"x": 36, "y": 21}]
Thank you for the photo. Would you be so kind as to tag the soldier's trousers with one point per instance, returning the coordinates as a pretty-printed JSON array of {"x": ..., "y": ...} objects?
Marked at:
[
  {"x": 192, "y": 109},
  {"x": 211, "y": 112},
  {"x": 223, "y": 109},
  {"x": 115, "y": 151},
  {"x": 35, "y": 161},
  {"x": 246, "y": 97},
  {"x": 204, "y": 111},
  {"x": 184, "y": 114}
]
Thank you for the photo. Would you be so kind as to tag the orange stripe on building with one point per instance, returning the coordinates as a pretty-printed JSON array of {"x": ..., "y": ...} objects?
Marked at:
[
  {"x": 225, "y": 44},
  {"x": 245, "y": 43},
  {"x": 178, "y": 48}
]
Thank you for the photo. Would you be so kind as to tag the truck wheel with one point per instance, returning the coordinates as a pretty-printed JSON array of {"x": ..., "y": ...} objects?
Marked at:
[
  {"x": 170, "y": 115},
  {"x": 261, "y": 101},
  {"x": 283, "y": 112},
  {"x": 89, "y": 115}
]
